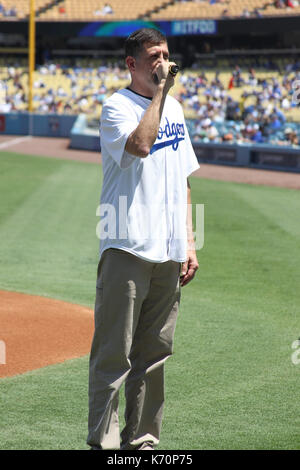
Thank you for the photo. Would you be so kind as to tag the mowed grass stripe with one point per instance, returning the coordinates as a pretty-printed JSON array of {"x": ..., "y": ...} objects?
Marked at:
[
  {"x": 20, "y": 176},
  {"x": 231, "y": 383},
  {"x": 51, "y": 234},
  {"x": 235, "y": 340}
]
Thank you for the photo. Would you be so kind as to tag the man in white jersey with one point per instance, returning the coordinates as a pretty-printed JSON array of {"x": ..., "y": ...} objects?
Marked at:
[{"x": 147, "y": 249}]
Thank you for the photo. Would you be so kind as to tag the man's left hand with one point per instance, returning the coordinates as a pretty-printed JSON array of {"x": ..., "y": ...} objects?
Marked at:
[{"x": 189, "y": 268}]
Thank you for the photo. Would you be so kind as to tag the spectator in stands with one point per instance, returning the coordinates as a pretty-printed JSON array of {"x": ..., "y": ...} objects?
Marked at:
[
  {"x": 224, "y": 14},
  {"x": 199, "y": 135},
  {"x": 61, "y": 91},
  {"x": 279, "y": 114},
  {"x": 291, "y": 3},
  {"x": 246, "y": 13},
  {"x": 7, "y": 106},
  {"x": 62, "y": 10},
  {"x": 228, "y": 137},
  {"x": 107, "y": 9},
  {"x": 238, "y": 80},
  {"x": 257, "y": 13},
  {"x": 257, "y": 134},
  {"x": 275, "y": 122},
  {"x": 68, "y": 109},
  {"x": 231, "y": 83},
  {"x": 39, "y": 84},
  {"x": 212, "y": 133},
  {"x": 11, "y": 12},
  {"x": 232, "y": 109},
  {"x": 291, "y": 136},
  {"x": 252, "y": 80},
  {"x": 206, "y": 131}
]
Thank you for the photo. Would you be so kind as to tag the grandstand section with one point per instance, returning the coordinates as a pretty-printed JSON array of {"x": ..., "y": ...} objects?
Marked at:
[
  {"x": 239, "y": 105},
  {"x": 188, "y": 10},
  {"x": 120, "y": 10},
  {"x": 77, "y": 10},
  {"x": 238, "y": 69},
  {"x": 11, "y": 9},
  {"x": 223, "y": 9},
  {"x": 94, "y": 10}
]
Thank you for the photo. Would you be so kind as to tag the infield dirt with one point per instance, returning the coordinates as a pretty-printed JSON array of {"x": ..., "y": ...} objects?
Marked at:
[{"x": 38, "y": 331}]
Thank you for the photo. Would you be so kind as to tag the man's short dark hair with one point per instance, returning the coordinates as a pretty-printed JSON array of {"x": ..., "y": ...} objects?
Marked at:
[{"x": 135, "y": 42}]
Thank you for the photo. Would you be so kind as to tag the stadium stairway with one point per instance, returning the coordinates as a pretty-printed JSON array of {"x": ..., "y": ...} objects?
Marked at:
[
  {"x": 48, "y": 6},
  {"x": 157, "y": 9}
]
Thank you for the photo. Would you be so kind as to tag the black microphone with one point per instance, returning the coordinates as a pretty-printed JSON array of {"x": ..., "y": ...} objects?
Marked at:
[{"x": 173, "y": 69}]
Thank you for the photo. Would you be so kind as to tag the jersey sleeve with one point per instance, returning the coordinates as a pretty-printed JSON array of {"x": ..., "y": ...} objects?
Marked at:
[
  {"x": 191, "y": 159},
  {"x": 116, "y": 124}
]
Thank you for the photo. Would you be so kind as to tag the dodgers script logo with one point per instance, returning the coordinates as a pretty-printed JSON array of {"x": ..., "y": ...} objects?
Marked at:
[{"x": 175, "y": 131}]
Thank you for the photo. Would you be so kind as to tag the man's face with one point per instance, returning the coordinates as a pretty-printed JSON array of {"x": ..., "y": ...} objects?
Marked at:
[{"x": 143, "y": 67}]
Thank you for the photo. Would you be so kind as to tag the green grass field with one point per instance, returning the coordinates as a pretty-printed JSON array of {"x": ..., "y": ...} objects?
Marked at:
[{"x": 231, "y": 383}]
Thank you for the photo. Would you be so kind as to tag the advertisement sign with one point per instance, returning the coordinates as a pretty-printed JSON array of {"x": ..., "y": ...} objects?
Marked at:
[{"x": 169, "y": 28}]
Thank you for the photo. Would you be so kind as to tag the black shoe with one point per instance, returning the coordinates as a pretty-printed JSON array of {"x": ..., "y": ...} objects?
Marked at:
[{"x": 148, "y": 445}]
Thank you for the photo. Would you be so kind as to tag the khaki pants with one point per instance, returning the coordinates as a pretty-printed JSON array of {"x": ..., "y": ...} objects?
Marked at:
[{"x": 135, "y": 315}]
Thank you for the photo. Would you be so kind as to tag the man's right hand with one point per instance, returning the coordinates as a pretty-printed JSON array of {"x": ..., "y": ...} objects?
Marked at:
[{"x": 161, "y": 72}]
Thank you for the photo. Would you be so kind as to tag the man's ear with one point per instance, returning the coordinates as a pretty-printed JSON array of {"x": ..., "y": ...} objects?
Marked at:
[{"x": 130, "y": 62}]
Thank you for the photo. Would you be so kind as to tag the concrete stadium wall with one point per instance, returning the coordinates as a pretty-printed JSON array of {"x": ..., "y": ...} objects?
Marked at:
[
  {"x": 49, "y": 125},
  {"x": 256, "y": 156},
  {"x": 84, "y": 138}
]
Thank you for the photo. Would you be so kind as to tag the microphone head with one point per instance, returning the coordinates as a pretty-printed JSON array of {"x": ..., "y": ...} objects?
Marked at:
[{"x": 173, "y": 69}]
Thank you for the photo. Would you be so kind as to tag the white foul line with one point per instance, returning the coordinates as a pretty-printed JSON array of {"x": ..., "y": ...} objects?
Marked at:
[{"x": 14, "y": 141}]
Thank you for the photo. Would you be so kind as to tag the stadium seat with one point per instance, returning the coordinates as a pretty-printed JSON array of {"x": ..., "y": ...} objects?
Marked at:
[{"x": 90, "y": 10}]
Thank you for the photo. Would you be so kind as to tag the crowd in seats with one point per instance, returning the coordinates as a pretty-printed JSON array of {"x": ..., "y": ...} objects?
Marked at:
[
  {"x": 238, "y": 104},
  {"x": 190, "y": 10},
  {"x": 107, "y": 9},
  {"x": 282, "y": 7},
  {"x": 89, "y": 10},
  {"x": 214, "y": 9},
  {"x": 117, "y": 10},
  {"x": 7, "y": 11},
  {"x": 61, "y": 89},
  {"x": 18, "y": 9},
  {"x": 259, "y": 102},
  {"x": 243, "y": 107}
]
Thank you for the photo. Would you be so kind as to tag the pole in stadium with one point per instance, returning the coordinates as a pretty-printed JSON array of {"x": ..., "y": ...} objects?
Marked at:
[{"x": 31, "y": 59}]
